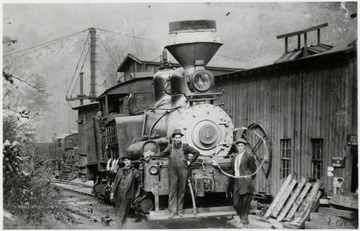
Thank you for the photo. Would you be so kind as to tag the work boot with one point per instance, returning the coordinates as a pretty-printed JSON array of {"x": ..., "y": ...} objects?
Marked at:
[
  {"x": 181, "y": 214},
  {"x": 240, "y": 226},
  {"x": 172, "y": 215}
]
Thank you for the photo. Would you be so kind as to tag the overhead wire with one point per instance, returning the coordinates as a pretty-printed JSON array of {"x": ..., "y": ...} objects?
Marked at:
[
  {"x": 229, "y": 57},
  {"x": 77, "y": 65},
  {"x": 156, "y": 58},
  {"x": 126, "y": 35},
  {"x": 43, "y": 44},
  {"x": 107, "y": 50},
  {"x": 80, "y": 71}
]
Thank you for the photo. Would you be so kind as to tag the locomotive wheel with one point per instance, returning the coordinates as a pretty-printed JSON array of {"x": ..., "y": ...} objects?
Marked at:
[
  {"x": 259, "y": 146},
  {"x": 144, "y": 206}
]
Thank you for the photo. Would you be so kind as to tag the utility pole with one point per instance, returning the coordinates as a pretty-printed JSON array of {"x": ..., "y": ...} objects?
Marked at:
[
  {"x": 81, "y": 87},
  {"x": 93, "y": 62},
  {"x": 92, "y": 95}
]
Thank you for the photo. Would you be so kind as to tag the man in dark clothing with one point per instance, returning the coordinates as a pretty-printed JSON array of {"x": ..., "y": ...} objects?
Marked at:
[
  {"x": 178, "y": 171},
  {"x": 123, "y": 190},
  {"x": 242, "y": 168}
]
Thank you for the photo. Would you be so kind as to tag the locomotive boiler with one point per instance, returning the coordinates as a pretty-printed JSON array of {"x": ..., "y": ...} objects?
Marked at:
[{"x": 183, "y": 99}]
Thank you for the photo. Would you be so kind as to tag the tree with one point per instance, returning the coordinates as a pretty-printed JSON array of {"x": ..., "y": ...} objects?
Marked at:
[
  {"x": 27, "y": 192},
  {"x": 37, "y": 96}
]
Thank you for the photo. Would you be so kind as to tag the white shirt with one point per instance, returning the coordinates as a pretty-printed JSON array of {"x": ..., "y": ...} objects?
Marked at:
[
  {"x": 237, "y": 163},
  {"x": 114, "y": 166},
  {"x": 108, "y": 166}
]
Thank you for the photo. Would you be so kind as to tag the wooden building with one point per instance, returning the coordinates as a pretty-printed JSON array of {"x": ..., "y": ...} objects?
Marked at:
[
  {"x": 308, "y": 107},
  {"x": 138, "y": 64}
]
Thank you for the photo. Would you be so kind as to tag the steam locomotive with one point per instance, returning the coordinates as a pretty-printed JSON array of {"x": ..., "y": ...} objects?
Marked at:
[{"x": 182, "y": 100}]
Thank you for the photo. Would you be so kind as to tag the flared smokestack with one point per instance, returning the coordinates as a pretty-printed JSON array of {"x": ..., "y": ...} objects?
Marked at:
[{"x": 195, "y": 42}]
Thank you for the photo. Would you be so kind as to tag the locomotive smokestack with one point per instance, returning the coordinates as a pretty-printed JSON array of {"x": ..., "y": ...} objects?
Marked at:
[{"x": 195, "y": 42}]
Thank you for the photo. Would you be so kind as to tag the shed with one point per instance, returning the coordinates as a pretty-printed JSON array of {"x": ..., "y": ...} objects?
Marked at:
[{"x": 308, "y": 107}]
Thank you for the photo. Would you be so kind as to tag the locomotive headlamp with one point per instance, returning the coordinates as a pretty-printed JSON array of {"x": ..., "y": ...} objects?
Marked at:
[
  {"x": 154, "y": 170},
  {"x": 201, "y": 80}
]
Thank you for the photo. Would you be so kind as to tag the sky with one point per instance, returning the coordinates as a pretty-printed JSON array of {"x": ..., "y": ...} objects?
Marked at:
[{"x": 247, "y": 30}]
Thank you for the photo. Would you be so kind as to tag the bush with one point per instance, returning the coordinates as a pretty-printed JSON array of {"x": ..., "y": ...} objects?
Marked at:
[{"x": 28, "y": 195}]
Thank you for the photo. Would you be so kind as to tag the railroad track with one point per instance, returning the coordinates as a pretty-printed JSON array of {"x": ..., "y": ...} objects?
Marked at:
[{"x": 87, "y": 211}]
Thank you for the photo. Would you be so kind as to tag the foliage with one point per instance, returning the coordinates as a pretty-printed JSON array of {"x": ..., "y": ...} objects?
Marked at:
[
  {"x": 16, "y": 125},
  {"x": 9, "y": 128},
  {"x": 28, "y": 193},
  {"x": 37, "y": 96}
]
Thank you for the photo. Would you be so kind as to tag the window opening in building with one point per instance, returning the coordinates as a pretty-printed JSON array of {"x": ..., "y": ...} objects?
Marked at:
[
  {"x": 317, "y": 164},
  {"x": 285, "y": 155}
]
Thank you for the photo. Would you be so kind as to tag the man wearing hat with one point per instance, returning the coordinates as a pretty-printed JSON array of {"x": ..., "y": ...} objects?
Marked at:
[
  {"x": 123, "y": 190},
  {"x": 178, "y": 171},
  {"x": 242, "y": 168}
]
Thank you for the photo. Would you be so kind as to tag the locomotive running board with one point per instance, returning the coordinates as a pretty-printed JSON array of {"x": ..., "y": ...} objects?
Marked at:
[{"x": 188, "y": 213}]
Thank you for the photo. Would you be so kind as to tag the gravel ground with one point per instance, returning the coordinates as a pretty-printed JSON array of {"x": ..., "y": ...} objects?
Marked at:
[{"x": 89, "y": 212}]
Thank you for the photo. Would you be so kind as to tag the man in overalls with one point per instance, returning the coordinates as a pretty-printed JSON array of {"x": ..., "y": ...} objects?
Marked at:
[{"x": 178, "y": 171}]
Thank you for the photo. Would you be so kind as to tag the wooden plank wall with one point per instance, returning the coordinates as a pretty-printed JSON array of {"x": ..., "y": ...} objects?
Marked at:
[{"x": 300, "y": 104}]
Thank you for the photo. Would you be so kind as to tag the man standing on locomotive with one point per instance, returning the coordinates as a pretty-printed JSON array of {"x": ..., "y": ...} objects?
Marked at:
[
  {"x": 178, "y": 171},
  {"x": 123, "y": 190},
  {"x": 242, "y": 168}
]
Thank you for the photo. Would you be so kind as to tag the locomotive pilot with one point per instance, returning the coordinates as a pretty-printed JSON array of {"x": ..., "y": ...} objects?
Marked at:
[
  {"x": 178, "y": 171},
  {"x": 242, "y": 168},
  {"x": 123, "y": 191}
]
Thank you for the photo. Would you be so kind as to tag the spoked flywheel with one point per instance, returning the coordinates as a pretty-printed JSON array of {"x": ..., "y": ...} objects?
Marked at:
[{"x": 259, "y": 146}]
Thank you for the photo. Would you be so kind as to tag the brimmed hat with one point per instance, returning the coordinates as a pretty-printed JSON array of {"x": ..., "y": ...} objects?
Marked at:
[
  {"x": 125, "y": 157},
  {"x": 177, "y": 132},
  {"x": 241, "y": 140}
]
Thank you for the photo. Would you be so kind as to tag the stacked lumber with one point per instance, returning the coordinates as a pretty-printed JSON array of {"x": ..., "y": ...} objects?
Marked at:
[
  {"x": 293, "y": 204},
  {"x": 342, "y": 214}
]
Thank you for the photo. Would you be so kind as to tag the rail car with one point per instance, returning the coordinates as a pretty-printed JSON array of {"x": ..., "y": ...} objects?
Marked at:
[
  {"x": 63, "y": 155},
  {"x": 144, "y": 119}
]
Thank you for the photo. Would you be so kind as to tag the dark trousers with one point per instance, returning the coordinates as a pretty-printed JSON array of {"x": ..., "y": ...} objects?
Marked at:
[
  {"x": 123, "y": 208},
  {"x": 242, "y": 206},
  {"x": 177, "y": 185}
]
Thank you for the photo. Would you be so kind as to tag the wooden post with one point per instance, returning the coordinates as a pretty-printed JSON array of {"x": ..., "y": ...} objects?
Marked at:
[
  {"x": 81, "y": 87},
  {"x": 286, "y": 44},
  {"x": 305, "y": 44}
]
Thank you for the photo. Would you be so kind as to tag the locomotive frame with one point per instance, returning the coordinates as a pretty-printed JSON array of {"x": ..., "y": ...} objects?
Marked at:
[{"x": 182, "y": 99}]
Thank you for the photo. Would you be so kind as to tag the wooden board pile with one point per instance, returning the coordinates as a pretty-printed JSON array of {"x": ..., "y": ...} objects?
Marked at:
[
  {"x": 342, "y": 213},
  {"x": 293, "y": 204}
]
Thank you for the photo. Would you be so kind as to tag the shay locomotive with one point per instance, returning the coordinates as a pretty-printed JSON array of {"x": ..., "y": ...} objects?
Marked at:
[{"x": 182, "y": 99}]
